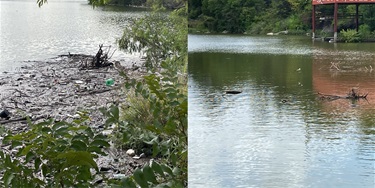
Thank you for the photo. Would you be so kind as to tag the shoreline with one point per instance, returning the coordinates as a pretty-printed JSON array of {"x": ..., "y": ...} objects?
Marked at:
[{"x": 58, "y": 88}]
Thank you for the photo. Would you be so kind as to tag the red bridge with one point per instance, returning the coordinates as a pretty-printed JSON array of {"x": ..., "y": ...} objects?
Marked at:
[
  {"x": 319, "y": 2},
  {"x": 336, "y": 2}
]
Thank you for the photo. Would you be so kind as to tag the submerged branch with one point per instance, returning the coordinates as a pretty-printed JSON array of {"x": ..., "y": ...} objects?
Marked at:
[{"x": 353, "y": 94}]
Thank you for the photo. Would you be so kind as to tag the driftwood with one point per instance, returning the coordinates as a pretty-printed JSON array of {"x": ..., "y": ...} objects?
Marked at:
[
  {"x": 352, "y": 94},
  {"x": 21, "y": 119},
  {"x": 101, "y": 58}
]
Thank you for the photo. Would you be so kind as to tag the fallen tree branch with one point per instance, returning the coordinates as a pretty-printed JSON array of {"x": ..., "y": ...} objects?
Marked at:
[
  {"x": 353, "y": 94},
  {"x": 21, "y": 119}
]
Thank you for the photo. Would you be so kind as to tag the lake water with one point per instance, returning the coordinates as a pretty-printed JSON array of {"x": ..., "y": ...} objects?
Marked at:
[
  {"x": 30, "y": 33},
  {"x": 278, "y": 132}
]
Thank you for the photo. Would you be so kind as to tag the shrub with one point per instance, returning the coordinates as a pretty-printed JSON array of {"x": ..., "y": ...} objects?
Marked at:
[
  {"x": 364, "y": 31},
  {"x": 156, "y": 113},
  {"x": 52, "y": 154},
  {"x": 350, "y": 35}
]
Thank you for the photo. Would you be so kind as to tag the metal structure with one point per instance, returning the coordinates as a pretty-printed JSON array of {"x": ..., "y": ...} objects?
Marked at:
[{"x": 336, "y": 6}]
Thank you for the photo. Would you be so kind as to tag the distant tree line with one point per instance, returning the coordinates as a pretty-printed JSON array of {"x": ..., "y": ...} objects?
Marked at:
[
  {"x": 263, "y": 16},
  {"x": 169, "y": 4}
]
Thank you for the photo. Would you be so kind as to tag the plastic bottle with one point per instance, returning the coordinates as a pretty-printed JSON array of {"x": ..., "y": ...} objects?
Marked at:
[{"x": 109, "y": 82}]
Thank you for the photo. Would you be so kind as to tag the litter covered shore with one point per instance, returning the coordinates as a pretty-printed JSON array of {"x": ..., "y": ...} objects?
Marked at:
[{"x": 61, "y": 88}]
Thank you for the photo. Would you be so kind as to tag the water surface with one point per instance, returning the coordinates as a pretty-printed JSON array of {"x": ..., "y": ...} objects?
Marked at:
[
  {"x": 277, "y": 132},
  {"x": 30, "y": 33}
]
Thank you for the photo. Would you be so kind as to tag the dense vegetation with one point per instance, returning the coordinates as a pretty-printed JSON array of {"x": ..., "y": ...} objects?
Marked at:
[
  {"x": 61, "y": 154},
  {"x": 263, "y": 16}
]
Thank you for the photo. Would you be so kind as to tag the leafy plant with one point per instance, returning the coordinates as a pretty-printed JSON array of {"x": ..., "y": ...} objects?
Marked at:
[
  {"x": 156, "y": 110},
  {"x": 152, "y": 174},
  {"x": 364, "y": 31},
  {"x": 350, "y": 35},
  {"x": 159, "y": 36},
  {"x": 52, "y": 154}
]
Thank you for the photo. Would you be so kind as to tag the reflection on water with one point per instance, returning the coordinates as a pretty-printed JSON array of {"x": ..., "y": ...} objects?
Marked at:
[
  {"x": 32, "y": 33},
  {"x": 277, "y": 132}
]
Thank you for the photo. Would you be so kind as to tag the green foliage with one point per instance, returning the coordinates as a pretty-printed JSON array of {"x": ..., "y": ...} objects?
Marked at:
[
  {"x": 350, "y": 35},
  {"x": 150, "y": 175},
  {"x": 364, "y": 31},
  {"x": 159, "y": 36},
  {"x": 52, "y": 154},
  {"x": 156, "y": 110},
  {"x": 260, "y": 17}
]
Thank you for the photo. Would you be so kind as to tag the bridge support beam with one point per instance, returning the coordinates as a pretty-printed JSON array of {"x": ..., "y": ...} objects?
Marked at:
[
  {"x": 356, "y": 16},
  {"x": 335, "y": 22},
  {"x": 313, "y": 22}
]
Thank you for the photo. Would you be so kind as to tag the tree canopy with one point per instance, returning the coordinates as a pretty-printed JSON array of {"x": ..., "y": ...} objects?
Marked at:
[{"x": 262, "y": 16}]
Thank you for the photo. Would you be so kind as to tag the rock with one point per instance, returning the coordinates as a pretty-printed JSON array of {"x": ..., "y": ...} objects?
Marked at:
[
  {"x": 130, "y": 152},
  {"x": 78, "y": 82},
  {"x": 5, "y": 114}
]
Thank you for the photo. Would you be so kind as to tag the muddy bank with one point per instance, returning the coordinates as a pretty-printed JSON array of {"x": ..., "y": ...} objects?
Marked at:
[{"x": 61, "y": 87}]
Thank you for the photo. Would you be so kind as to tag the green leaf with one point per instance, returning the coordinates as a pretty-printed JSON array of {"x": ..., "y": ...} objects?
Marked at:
[
  {"x": 62, "y": 131},
  {"x": 89, "y": 132},
  {"x": 7, "y": 139},
  {"x": 58, "y": 125},
  {"x": 115, "y": 112},
  {"x": 37, "y": 163},
  {"x": 149, "y": 174},
  {"x": 79, "y": 128},
  {"x": 155, "y": 149},
  {"x": 78, "y": 158},
  {"x": 26, "y": 149},
  {"x": 100, "y": 143},
  {"x": 100, "y": 137},
  {"x": 151, "y": 142},
  {"x": 30, "y": 156},
  {"x": 84, "y": 174},
  {"x": 16, "y": 143},
  {"x": 157, "y": 168},
  {"x": 78, "y": 145},
  {"x": 128, "y": 183},
  {"x": 81, "y": 137},
  {"x": 46, "y": 130},
  {"x": 8, "y": 161},
  {"x": 28, "y": 120},
  {"x": 140, "y": 178},
  {"x": 45, "y": 123},
  {"x": 176, "y": 171},
  {"x": 8, "y": 177},
  {"x": 44, "y": 169},
  {"x": 174, "y": 159},
  {"x": 96, "y": 150},
  {"x": 167, "y": 169}
]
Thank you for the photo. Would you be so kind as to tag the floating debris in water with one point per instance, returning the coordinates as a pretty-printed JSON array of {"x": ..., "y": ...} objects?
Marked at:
[{"x": 232, "y": 92}]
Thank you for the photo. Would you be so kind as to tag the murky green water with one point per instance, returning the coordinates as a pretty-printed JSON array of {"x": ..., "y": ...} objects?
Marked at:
[
  {"x": 277, "y": 132},
  {"x": 31, "y": 33}
]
